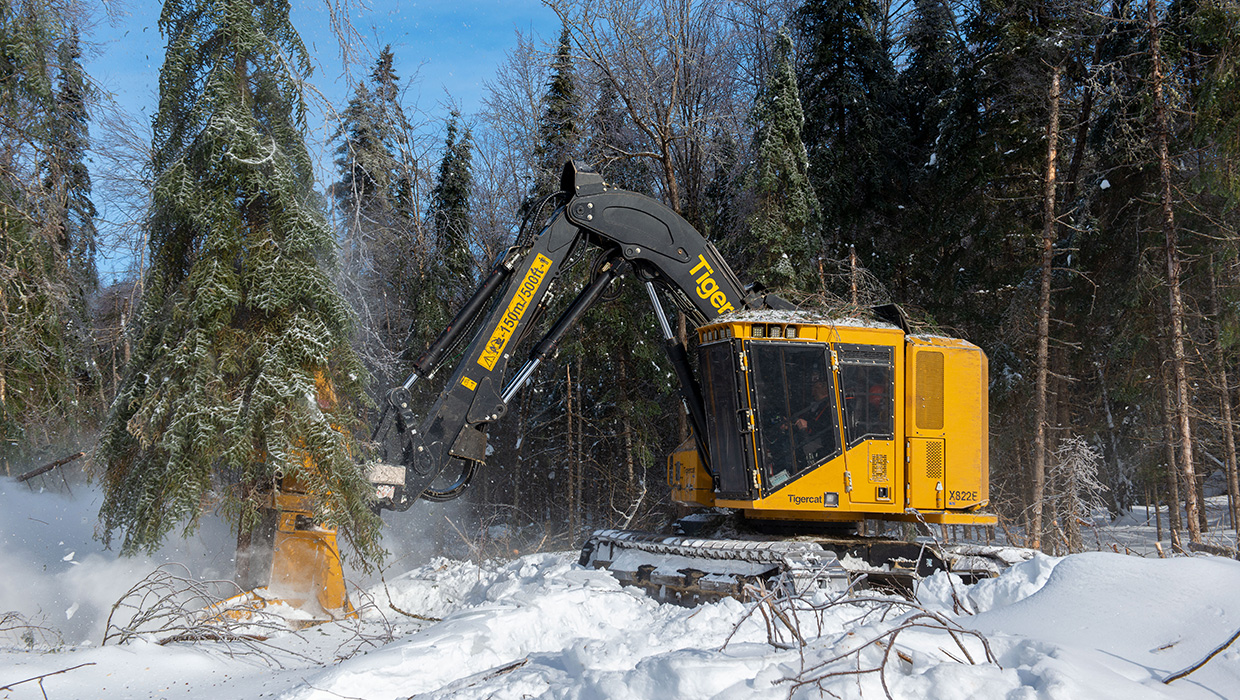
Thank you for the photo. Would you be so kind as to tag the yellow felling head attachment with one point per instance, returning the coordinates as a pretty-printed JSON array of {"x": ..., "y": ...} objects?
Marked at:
[{"x": 292, "y": 561}]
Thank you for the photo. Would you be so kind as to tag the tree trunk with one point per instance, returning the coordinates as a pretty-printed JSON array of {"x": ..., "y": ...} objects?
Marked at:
[
  {"x": 852, "y": 273},
  {"x": 520, "y": 456},
  {"x": 3, "y": 410},
  {"x": 1200, "y": 486},
  {"x": 669, "y": 176},
  {"x": 1112, "y": 459},
  {"x": 572, "y": 452},
  {"x": 1044, "y": 311},
  {"x": 1175, "y": 299},
  {"x": 682, "y": 418},
  {"x": 1173, "y": 490},
  {"x": 627, "y": 432},
  {"x": 1157, "y": 513},
  {"x": 580, "y": 458}
]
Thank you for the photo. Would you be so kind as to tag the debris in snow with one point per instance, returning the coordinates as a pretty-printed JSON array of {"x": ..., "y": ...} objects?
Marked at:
[
  {"x": 1084, "y": 626},
  {"x": 69, "y": 556}
]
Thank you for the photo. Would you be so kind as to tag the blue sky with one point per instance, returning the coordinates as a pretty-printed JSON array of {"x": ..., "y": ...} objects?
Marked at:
[{"x": 451, "y": 47}]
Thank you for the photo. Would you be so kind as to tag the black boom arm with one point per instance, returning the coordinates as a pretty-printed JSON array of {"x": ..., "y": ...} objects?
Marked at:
[{"x": 631, "y": 230}]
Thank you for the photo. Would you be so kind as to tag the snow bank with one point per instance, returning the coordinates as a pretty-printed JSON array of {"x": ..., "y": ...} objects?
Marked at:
[
  {"x": 1085, "y": 626},
  {"x": 1079, "y": 627},
  {"x": 1139, "y": 619},
  {"x": 1017, "y": 583}
]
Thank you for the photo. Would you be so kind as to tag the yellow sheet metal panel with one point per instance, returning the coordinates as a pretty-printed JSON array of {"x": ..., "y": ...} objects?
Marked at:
[
  {"x": 306, "y": 567},
  {"x": 983, "y": 381},
  {"x": 967, "y": 426},
  {"x": 948, "y": 401},
  {"x": 690, "y": 483}
]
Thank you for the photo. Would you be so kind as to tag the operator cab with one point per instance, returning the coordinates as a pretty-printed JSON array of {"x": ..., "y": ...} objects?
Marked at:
[{"x": 805, "y": 419}]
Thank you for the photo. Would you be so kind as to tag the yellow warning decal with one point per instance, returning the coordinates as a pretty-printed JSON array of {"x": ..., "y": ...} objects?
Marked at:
[
  {"x": 469, "y": 383},
  {"x": 516, "y": 309}
]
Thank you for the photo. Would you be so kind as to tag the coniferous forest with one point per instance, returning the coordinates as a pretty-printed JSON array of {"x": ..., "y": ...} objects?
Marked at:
[{"x": 1056, "y": 181}]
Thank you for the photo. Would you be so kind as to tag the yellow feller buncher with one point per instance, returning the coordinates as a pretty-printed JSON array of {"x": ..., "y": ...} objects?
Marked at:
[{"x": 803, "y": 425}]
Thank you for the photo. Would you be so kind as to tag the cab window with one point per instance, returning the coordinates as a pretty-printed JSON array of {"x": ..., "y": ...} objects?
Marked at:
[{"x": 867, "y": 386}]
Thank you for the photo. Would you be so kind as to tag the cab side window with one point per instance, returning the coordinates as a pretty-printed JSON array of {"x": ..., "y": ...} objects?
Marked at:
[{"x": 867, "y": 385}]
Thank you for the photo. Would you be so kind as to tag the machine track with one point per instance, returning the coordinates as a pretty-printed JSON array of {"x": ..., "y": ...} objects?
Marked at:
[{"x": 691, "y": 570}]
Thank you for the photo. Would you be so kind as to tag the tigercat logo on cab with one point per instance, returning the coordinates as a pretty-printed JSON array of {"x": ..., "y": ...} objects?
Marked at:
[
  {"x": 516, "y": 309},
  {"x": 804, "y": 500}
]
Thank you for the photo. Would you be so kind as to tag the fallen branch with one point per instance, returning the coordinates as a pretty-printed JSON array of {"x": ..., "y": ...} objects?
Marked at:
[
  {"x": 48, "y": 467},
  {"x": 361, "y": 635},
  {"x": 209, "y": 635},
  {"x": 1203, "y": 662},
  {"x": 475, "y": 679},
  {"x": 1214, "y": 549},
  {"x": 45, "y": 675},
  {"x": 169, "y": 607},
  {"x": 404, "y": 612}
]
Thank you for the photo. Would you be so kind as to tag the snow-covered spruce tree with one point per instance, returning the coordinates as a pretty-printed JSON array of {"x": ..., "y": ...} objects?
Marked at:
[
  {"x": 384, "y": 267},
  {"x": 783, "y": 228},
  {"x": 242, "y": 371},
  {"x": 66, "y": 175}
]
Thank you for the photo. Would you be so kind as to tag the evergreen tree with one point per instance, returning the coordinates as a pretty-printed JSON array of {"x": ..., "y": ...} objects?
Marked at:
[
  {"x": 847, "y": 80},
  {"x": 557, "y": 125},
  {"x": 365, "y": 166},
  {"x": 940, "y": 192},
  {"x": 40, "y": 363},
  {"x": 66, "y": 179},
  {"x": 397, "y": 133},
  {"x": 611, "y": 136},
  {"x": 242, "y": 372},
  {"x": 1215, "y": 32},
  {"x": 783, "y": 229},
  {"x": 386, "y": 262},
  {"x": 929, "y": 80},
  {"x": 450, "y": 213},
  {"x": 364, "y": 203}
]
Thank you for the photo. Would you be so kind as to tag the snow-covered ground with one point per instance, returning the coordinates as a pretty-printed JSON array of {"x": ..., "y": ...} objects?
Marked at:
[{"x": 1093, "y": 625}]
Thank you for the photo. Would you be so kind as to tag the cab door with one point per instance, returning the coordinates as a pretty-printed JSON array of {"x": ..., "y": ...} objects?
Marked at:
[
  {"x": 795, "y": 410},
  {"x": 867, "y": 381},
  {"x": 729, "y": 422}
]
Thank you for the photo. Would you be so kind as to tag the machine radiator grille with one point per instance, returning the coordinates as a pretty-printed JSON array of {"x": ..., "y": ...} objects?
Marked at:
[{"x": 934, "y": 460}]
